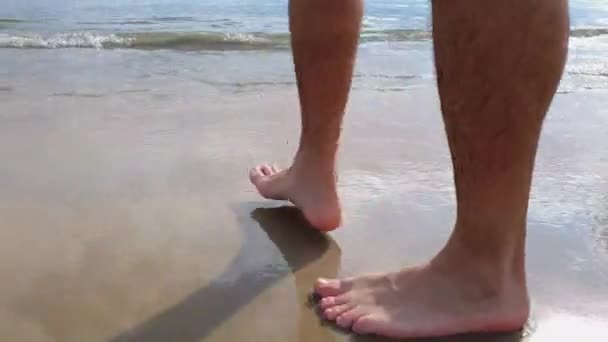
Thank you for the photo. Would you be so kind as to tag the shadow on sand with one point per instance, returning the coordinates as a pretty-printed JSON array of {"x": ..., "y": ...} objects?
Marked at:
[
  {"x": 505, "y": 337},
  {"x": 199, "y": 314}
]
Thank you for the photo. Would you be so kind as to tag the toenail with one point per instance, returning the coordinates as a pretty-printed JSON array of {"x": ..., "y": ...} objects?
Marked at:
[{"x": 323, "y": 281}]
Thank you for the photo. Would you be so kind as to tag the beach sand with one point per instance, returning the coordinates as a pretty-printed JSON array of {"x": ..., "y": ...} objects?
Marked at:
[{"x": 131, "y": 218}]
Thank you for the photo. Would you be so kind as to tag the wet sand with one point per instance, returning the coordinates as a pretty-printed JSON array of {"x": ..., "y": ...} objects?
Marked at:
[{"x": 128, "y": 220}]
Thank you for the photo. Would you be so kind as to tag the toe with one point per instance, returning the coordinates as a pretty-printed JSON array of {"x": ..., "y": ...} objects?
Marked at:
[
  {"x": 275, "y": 168},
  {"x": 363, "y": 325},
  {"x": 346, "y": 319},
  {"x": 333, "y": 312},
  {"x": 255, "y": 174},
  {"x": 266, "y": 170},
  {"x": 331, "y": 287},
  {"x": 328, "y": 302}
]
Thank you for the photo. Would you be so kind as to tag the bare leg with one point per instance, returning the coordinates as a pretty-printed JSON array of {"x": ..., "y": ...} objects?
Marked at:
[
  {"x": 324, "y": 42},
  {"x": 498, "y": 66}
]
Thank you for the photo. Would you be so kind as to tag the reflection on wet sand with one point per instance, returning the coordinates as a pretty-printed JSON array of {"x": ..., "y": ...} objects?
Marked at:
[
  {"x": 198, "y": 315},
  {"x": 602, "y": 236},
  {"x": 600, "y": 228},
  {"x": 304, "y": 253},
  {"x": 119, "y": 227},
  {"x": 506, "y": 337}
]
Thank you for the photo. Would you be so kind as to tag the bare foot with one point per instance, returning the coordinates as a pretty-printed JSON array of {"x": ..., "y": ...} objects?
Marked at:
[
  {"x": 311, "y": 189},
  {"x": 425, "y": 301}
]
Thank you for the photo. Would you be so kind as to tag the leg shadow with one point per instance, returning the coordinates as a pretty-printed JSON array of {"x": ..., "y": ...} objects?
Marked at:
[
  {"x": 311, "y": 327},
  {"x": 516, "y": 336},
  {"x": 257, "y": 267}
]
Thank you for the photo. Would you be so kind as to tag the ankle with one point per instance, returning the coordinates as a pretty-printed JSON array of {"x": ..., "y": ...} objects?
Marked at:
[
  {"x": 487, "y": 277},
  {"x": 498, "y": 245},
  {"x": 315, "y": 163}
]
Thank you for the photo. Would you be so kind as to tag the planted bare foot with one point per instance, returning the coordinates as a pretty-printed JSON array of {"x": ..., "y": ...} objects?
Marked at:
[
  {"x": 426, "y": 301},
  {"x": 310, "y": 188}
]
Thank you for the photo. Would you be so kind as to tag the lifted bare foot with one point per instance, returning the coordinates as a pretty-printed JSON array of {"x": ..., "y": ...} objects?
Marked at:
[
  {"x": 425, "y": 301},
  {"x": 310, "y": 189}
]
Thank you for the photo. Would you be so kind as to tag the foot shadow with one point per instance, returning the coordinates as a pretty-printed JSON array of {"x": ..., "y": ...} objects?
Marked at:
[
  {"x": 509, "y": 337},
  {"x": 515, "y": 336},
  {"x": 284, "y": 245}
]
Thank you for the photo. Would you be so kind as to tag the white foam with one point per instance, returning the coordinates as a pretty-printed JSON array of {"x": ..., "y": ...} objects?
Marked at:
[{"x": 62, "y": 40}]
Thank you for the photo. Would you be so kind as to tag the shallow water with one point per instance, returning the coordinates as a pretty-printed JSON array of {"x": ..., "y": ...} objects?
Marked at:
[
  {"x": 212, "y": 25},
  {"x": 93, "y": 48}
]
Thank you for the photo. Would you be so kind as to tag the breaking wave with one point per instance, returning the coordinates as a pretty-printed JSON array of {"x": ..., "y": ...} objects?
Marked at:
[{"x": 201, "y": 41}]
